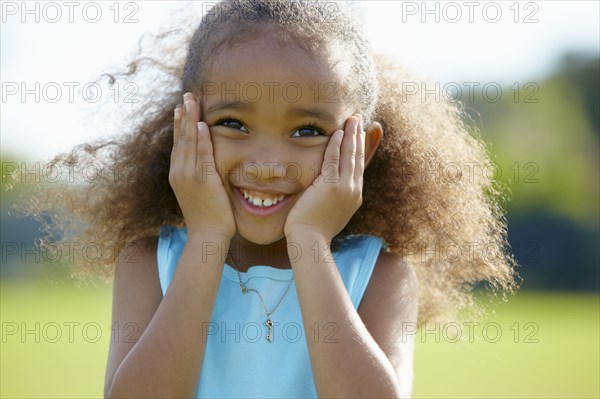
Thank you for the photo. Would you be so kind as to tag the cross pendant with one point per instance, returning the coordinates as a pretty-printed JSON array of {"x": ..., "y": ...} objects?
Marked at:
[{"x": 269, "y": 325}]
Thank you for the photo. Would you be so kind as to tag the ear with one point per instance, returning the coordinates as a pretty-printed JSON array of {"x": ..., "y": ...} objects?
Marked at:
[{"x": 372, "y": 140}]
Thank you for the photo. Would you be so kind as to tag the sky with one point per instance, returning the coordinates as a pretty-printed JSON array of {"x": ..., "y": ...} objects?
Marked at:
[{"x": 50, "y": 51}]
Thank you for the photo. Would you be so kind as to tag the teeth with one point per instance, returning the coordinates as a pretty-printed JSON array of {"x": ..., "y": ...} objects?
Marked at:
[{"x": 261, "y": 203}]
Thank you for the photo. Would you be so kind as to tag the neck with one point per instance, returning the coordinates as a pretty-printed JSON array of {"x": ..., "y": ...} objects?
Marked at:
[{"x": 245, "y": 254}]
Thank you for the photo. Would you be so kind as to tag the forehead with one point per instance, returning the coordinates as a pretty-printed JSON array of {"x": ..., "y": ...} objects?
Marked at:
[
  {"x": 269, "y": 50},
  {"x": 267, "y": 70}
]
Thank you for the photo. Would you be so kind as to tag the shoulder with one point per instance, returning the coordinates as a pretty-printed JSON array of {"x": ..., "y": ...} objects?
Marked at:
[
  {"x": 395, "y": 283},
  {"x": 137, "y": 255},
  {"x": 389, "y": 311},
  {"x": 136, "y": 276}
]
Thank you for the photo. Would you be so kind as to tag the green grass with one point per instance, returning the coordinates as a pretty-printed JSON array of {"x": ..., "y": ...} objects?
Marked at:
[
  {"x": 548, "y": 348},
  {"x": 556, "y": 355},
  {"x": 49, "y": 369}
]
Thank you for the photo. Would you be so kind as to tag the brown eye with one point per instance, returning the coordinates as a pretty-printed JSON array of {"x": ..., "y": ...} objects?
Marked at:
[
  {"x": 233, "y": 124},
  {"x": 307, "y": 132}
]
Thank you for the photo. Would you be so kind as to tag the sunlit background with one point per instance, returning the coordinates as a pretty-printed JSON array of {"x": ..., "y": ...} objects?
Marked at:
[{"x": 529, "y": 74}]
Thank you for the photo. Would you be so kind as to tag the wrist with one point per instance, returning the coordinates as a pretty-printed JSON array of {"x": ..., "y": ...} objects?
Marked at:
[
  {"x": 306, "y": 237},
  {"x": 208, "y": 236},
  {"x": 207, "y": 247},
  {"x": 210, "y": 231},
  {"x": 308, "y": 248}
]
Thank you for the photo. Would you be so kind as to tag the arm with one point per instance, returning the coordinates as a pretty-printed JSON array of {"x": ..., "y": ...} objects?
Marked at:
[
  {"x": 356, "y": 362},
  {"x": 166, "y": 360},
  {"x": 370, "y": 359},
  {"x": 389, "y": 310}
]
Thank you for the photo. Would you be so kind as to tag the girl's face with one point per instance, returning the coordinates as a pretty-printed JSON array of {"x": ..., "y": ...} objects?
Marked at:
[{"x": 271, "y": 111}]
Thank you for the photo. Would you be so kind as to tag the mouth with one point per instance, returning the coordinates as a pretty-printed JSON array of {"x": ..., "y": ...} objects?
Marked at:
[{"x": 261, "y": 203}]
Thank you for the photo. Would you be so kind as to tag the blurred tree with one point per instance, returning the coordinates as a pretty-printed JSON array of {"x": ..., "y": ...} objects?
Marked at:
[
  {"x": 583, "y": 72},
  {"x": 546, "y": 145},
  {"x": 544, "y": 136}
]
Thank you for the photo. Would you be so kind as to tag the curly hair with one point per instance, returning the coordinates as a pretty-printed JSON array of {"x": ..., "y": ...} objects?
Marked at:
[{"x": 427, "y": 191}]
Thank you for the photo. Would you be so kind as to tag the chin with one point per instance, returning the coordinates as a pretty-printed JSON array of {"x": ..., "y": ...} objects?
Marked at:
[{"x": 260, "y": 237}]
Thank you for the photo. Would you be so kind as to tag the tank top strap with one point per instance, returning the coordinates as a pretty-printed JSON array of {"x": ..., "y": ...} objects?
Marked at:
[{"x": 356, "y": 260}]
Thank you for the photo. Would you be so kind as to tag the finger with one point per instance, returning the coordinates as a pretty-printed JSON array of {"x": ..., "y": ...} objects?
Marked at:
[
  {"x": 176, "y": 158},
  {"x": 176, "y": 126},
  {"x": 205, "y": 162},
  {"x": 360, "y": 151},
  {"x": 182, "y": 142},
  {"x": 330, "y": 169},
  {"x": 190, "y": 137},
  {"x": 348, "y": 151},
  {"x": 183, "y": 120},
  {"x": 193, "y": 111},
  {"x": 204, "y": 148},
  {"x": 199, "y": 102}
]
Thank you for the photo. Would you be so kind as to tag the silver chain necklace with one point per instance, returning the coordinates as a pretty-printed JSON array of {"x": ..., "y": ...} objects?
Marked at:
[{"x": 269, "y": 322}]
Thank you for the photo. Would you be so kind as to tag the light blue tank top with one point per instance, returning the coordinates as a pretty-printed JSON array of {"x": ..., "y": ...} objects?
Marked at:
[{"x": 239, "y": 362}]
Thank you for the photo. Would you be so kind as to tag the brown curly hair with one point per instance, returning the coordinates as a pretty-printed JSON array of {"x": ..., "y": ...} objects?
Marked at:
[{"x": 427, "y": 191}]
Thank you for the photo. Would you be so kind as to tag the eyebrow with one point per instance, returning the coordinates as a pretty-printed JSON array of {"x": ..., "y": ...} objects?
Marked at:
[
  {"x": 230, "y": 105},
  {"x": 296, "y": 112},
  {"x": 316, "y": 113}
]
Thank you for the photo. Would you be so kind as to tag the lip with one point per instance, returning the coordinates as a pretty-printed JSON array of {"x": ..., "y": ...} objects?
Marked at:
[{"x": 260, "y": 211}]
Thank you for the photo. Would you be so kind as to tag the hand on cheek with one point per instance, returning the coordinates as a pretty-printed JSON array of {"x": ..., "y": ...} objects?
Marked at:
[
  {"x": 193, "y": 176},
  {"x": 336, "y": 193}
]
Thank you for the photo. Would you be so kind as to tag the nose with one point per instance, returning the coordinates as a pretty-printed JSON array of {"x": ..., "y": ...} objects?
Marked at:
[
  {"x": 266, "y": 163},
  {"x": 264, "y": 170}
]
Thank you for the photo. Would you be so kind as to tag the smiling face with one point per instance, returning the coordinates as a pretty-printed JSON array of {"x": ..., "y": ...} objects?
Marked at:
[{"x": 271, "y": 111}]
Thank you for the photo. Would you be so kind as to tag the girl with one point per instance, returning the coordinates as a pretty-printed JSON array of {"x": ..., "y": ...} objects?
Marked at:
[{"x": 259, "y": 256}]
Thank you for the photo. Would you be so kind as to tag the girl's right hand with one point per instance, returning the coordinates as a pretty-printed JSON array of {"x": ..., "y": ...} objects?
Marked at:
[{"x": 194, "y": 177}]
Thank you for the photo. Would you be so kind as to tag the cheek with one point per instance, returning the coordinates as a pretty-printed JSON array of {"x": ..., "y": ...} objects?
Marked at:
[
  {"x": 224, "y": 154},
  {"x": 308, "y": 167}
]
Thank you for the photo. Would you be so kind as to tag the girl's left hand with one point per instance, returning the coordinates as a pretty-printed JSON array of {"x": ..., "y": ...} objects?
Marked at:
[{"x": 335, "y": 195}]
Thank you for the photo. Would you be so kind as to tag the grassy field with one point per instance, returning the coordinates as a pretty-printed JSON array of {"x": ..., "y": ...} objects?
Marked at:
[{"x": 536, "y": 346}]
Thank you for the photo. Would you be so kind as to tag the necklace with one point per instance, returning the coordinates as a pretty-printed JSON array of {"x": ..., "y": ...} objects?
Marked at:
[{"x": 269, "y": 322}]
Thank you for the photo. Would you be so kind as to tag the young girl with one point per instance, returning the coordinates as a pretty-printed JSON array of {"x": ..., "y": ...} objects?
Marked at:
[{"x": 263, "y": 258}]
